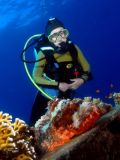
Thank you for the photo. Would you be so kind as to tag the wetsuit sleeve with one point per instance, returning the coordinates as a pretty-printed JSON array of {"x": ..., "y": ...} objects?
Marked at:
[
  {"x": 38, "y": 72},
  {"x": 87, "y": 75}
]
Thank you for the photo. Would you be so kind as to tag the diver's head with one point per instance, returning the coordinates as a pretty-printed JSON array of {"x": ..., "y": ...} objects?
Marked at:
[{"x": 56, "y": 32}]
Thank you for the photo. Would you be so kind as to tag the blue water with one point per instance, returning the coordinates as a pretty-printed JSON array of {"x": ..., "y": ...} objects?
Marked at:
[{"x": 94, "y": 25}]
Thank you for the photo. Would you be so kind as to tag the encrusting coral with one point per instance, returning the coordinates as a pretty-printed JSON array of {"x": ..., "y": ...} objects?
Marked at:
[
  {"x": 97, "y": 135},
  {"x": 16, "y": 139},
  {"x": 67, "y": 118}
]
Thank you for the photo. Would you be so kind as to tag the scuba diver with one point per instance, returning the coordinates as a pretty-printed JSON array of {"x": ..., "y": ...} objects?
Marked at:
[{"x": 60, "y": 66}]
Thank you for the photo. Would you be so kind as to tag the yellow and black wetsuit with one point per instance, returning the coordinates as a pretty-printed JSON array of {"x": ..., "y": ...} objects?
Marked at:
[{"x": 65, "y": 69}]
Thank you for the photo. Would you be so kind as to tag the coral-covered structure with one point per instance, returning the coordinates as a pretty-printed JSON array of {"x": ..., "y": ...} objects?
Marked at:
[
  {"x": 67, "y": 119},
  {"x": 94, "y": 134}
]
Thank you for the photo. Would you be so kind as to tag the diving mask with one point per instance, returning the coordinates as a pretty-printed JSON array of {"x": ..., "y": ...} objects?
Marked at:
[{"x": 64, "y": 33}]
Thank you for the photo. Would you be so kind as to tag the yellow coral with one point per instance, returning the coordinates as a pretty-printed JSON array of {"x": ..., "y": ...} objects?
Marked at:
[
  {"x": 6, "y": 131},
  {"x": 18, "y": 125},
  {"x": 5, "y": 118},
  {"x": 15, "y": 138},
  {"x": 22, "y": 157}
]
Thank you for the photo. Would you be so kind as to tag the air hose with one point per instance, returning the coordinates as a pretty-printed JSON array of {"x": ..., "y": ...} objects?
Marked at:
[{"x": 26, "y": 68}]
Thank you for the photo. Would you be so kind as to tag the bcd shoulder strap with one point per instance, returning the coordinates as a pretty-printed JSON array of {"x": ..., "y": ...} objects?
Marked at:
[
  {"x": 74, "y": 54},
  {"x": 48, "y": 52}
]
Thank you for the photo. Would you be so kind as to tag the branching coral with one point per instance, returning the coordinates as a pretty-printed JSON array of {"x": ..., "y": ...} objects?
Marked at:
[
  {"x": 16, "y": 139},
  {"x": 7, "y": 132}
]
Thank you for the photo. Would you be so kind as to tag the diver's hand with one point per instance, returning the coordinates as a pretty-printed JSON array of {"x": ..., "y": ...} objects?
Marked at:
[
  {"x": 77, "y": 82},
  {"x": 63, "y": 86}
]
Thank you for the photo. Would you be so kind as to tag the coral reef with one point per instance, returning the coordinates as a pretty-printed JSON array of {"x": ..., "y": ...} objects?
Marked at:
[
  {"x": 16, "y": 139},
  {"x": 77, "y": 129}
]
